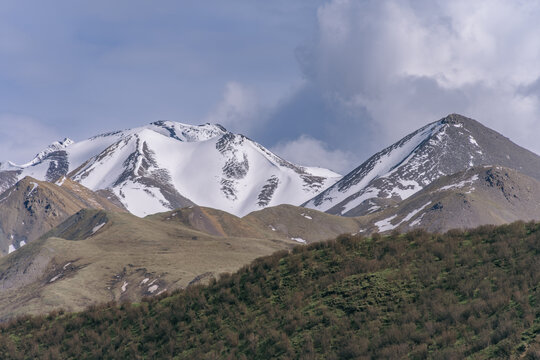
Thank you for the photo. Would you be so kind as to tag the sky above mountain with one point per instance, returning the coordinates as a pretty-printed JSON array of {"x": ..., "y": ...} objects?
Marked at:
[{"x": 320, "y": 82}]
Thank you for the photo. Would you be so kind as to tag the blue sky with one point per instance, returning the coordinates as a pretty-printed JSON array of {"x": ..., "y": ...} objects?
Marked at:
[{"x": 320, "y": 82}]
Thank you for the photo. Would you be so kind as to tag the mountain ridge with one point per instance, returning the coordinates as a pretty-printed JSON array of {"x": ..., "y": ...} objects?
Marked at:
[{"x": 167, "y": 165}]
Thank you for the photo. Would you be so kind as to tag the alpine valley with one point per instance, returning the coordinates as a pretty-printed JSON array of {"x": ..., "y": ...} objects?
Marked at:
[{"x": 161, "y": 207}]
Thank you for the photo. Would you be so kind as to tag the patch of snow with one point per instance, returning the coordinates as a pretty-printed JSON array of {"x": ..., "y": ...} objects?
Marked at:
[
  {"x": 367, "y": 194},
  {"x": 417, "y": 220},
  {"x": 385, "y": 225},
  {"x": 65, "y": 266},
  {"x": 61, "y": 181},
  {"x": 272, "y": 228},
  {"x": 144, "y": 281},
  {"x": 55, "y": 278},
  {"x": 124, "y": 286},
  {"x": 141, "y": 200},
  {"x": 22, "y": 243},
  {"x": 460, "y": 184},
  {"x": 4, "y": 199},
  {"x": 34, "y": 187},
  {"x": 306, "y": 216},
  {"x": 300, "y": 240},
  {"x": 414, "y": 212},
  {"x": 97, "y": 227},
  {"x": 373, "y": 209},
  {"x": 11, "y": 249},
  {"x": 473, "y": 141},
  {"x": 153, "y": 288},
  {"x": 408, "y": 188}
]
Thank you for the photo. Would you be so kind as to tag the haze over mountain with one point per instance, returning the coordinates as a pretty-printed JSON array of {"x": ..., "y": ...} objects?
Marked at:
[{"x": 168, "y": 165}]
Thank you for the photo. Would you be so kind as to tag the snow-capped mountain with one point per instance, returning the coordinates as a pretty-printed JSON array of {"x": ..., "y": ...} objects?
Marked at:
[
  {"x": 444, "y": 147},
  {"x": 167, "y": 165}
]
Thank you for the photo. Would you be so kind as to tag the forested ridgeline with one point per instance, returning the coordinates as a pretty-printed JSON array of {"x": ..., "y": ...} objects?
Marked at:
[{"x": 417, "y": 295}]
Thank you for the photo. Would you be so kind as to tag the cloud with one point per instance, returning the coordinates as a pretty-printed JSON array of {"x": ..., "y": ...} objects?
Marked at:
[
  {"x": 238, "y": 110},
  {"x": 22, "y": 137},
  {"x": 381, "y": 69},
  {"x": 308, "y": 151}
]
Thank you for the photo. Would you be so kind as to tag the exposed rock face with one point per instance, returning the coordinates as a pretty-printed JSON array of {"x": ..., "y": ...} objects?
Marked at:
[{"x": 31, "y": 207}]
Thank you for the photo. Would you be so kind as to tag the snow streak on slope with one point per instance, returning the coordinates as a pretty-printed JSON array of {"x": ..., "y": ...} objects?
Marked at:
[
  {"x": 167, "y": 165},
  {"x": 356, "y": 183}
]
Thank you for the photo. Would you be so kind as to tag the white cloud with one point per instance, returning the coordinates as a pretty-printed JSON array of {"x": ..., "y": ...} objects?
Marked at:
[
  {"x": 308, "y": 151},
  {"x": 22, "y": 137},
  {"x": 406, "y": 63},
  {"x": 238, "y": 109}
]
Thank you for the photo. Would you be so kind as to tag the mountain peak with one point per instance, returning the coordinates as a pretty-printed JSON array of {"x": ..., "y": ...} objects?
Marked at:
[
  {"x": 187, "y": 132},
  {"x": 455, "y": 118},
  {"x": 452, "y": 144}
]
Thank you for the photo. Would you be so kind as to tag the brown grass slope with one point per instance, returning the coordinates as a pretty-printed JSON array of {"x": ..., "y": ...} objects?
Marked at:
[
  {"x": 491, "y": 195},
  {"x": 296, "y": 222}
]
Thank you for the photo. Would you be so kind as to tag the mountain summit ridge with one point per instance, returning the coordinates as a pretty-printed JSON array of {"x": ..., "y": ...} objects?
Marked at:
[{"x": 166, "y": 165}]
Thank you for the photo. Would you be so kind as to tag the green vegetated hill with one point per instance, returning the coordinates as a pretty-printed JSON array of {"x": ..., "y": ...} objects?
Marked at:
[{"x": 462, "y": 294}]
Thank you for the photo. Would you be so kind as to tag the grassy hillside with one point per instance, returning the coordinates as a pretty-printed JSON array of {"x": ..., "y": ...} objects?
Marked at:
[
  {"x": 97, "y": 256},
  {"x": 463, "y": 294}
]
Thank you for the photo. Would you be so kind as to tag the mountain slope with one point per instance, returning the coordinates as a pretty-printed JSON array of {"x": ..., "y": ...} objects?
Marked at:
[
  {"x": 98, "y": 256},
  {"x": 31, "y": 207},
  {"x": 168, "y": 165},
  {"x": 477, "y": 196},
  {"x": 419, "y": 296},
  {"x": 447, "y": 146}
]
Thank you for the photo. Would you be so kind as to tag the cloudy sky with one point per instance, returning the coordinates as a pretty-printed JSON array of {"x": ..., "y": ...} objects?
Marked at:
[{"x": 319, "y": 82}]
